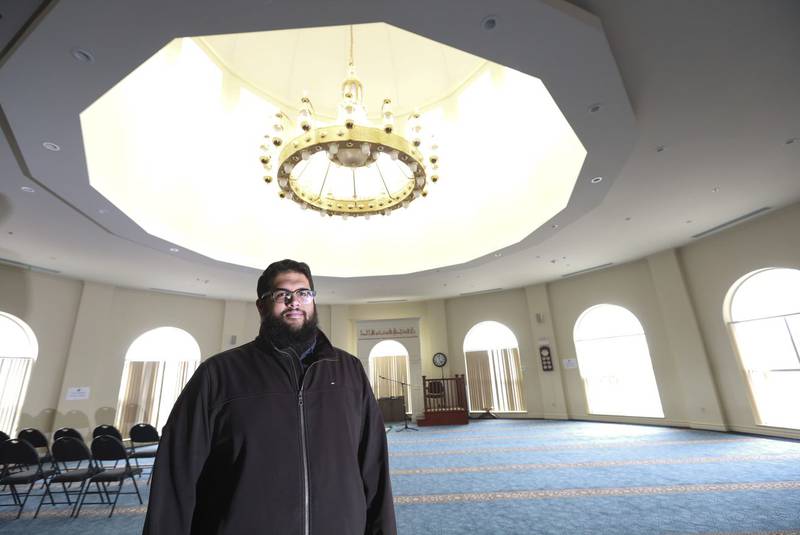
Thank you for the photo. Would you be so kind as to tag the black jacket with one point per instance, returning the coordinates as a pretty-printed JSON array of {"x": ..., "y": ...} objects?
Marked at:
[{"x": 253, "y": 446}]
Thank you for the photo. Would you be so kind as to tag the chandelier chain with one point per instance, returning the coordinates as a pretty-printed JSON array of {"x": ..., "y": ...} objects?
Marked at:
[{"x": 352, "y": 62}]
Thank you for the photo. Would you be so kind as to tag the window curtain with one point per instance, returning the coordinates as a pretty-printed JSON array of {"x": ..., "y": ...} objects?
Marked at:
[
  {"x": 149, "y": 390},
  {"x": 494, "y": 380},
  {"x": 479, "y": 381},
  {"x": 14, "y": 373},
  {"x": 394, "y": 368},
  {"x": 507, "y": 379}
]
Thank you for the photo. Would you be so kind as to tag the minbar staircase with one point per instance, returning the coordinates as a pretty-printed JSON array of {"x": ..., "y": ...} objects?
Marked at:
[{"x": 445, "y": 401}]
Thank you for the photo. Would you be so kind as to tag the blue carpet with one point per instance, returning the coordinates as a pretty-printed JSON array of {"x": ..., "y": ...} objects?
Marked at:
[
  {"x": 552, "y": 477},
  {"x": 556, "y": 477}
]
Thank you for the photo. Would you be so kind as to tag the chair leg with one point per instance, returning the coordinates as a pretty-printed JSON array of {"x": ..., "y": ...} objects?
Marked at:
[
  {"x": 116, "y": 497},
  {"x": 22, "y": 505},
  {"x": 136, "y": 487},
  {"x": 41, "y": 500},
  {"x": 76, "y": 510},
  {"x": 85, "y": 484}
]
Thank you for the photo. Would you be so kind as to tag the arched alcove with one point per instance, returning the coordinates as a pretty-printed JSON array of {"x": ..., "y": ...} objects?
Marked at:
[
  {"x": 494, "y": 371},
  {"x": 388, "y": 366}
]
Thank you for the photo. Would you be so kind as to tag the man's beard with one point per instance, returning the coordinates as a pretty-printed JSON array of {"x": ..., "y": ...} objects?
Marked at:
[{"x": 281, "y": 334}]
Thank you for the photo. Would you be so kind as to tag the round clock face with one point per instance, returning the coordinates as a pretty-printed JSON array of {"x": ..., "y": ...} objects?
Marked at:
[{"x": 439, "y": 359}]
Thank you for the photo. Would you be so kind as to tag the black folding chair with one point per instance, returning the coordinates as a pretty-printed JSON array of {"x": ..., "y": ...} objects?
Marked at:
[
  {"x": 106, "y": 449},
  {"x": 106, "y": 430},
  {"x": 36, "y": 438},
  {"x": 66, "y": 432},
  {"x": 17, "y": 453},
  {"x": 144, "y": 444},
  {"x": 70, "y": 453}
]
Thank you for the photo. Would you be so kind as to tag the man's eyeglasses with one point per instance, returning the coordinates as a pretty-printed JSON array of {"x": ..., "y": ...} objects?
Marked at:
[{"x": 280, "y": 295}]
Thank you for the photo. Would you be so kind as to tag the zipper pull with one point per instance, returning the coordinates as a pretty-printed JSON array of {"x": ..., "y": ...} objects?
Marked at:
[{"x": 300, "y": 398}]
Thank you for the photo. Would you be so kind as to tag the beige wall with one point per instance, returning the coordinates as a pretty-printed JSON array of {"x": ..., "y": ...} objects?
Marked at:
[
  {"x": 49, "y": 305},
  {"x": 84, "y": 329},
  {"x": 712, "y": 266}
]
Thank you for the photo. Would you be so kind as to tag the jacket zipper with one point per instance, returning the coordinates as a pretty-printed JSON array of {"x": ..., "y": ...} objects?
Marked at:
[
  {"x": 306, "y": 491},
  {"x": 306, "y": 497}
]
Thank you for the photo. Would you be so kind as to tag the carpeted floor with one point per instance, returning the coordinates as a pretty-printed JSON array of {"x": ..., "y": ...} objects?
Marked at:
[{"x": 553, "y": 477}]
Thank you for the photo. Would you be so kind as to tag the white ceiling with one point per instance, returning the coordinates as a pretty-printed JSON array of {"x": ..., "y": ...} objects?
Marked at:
[{"x": 714, "y": 84}]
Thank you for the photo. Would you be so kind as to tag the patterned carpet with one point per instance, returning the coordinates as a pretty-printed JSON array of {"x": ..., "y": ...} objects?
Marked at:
[{"x": 553, "y": 477}]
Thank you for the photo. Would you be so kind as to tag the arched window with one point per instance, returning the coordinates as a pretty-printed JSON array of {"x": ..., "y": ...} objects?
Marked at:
[
  {"x": 18, "y": 352},
  {"x": 494, "y": 372},
  {"x": 615, "y": 364},
  {"x": 157, "y": 366},
  {"x": 388, "y": 363},
  {"x": 764, "y": 318}
]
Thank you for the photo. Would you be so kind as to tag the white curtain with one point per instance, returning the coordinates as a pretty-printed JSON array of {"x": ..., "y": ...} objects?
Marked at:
[
  {"x": 149, "y": 390},
  {"x": 494, "y": 380},
  {"x": 14, "y": 374},
  {"x": 394, "y": 368}
]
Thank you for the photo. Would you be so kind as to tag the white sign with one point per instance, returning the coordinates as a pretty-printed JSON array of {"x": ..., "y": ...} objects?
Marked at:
[
  {"x": 569, "y": 364},
  {"x": 77, "y": 392}
]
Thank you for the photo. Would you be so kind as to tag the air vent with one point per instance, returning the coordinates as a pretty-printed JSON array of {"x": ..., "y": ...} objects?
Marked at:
[
  {"x": 732, "y": 222},
  {"x": 482, "y": 292},
  {"x": 176, "y": 292},
  {"x": 28, "y": 266},
  {"x": 587, "y": 270}
]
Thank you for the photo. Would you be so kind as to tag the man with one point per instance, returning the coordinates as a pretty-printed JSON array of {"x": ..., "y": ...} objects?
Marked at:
[{"x": 279, "y": 436}]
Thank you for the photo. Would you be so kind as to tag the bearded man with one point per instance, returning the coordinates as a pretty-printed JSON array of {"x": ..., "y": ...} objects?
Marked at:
[{"x": 279, "y": 436}]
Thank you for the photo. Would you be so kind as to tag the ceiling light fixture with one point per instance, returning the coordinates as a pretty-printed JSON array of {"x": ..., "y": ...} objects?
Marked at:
[
  {"x": 352, "y": 167},
  {"x": 82, "y": 55},
  {"x": 174, "y": 249},
  {"x": 51, "y": 146},
  {"x": 27, "y": 189},
  {"x": 489, "y": 23},
  {"x": 596, "y": 180}
]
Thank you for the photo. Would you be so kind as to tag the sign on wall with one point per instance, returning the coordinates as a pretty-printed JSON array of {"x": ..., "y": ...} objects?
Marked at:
[{"x": 78, "y": 392}]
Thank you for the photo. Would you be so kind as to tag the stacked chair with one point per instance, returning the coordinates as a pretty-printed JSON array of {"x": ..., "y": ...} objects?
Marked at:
[
  {"x": 144, "y": 444},
  {"x": 109, "y": 449},
  {"x": 69, "y": 454},
  {"x": 23, "y": 466},
  {"x": 71, "y": 468}
]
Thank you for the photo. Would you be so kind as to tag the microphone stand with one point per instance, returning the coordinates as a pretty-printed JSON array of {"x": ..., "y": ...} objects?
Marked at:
[{"x": 405, "y": 414}]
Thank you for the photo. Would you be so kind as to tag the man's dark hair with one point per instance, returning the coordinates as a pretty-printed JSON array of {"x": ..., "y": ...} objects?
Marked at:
[{"x": 276, "y": 268}]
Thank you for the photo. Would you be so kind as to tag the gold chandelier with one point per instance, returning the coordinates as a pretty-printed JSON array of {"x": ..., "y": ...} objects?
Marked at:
[{"x": 354, "y": 167}]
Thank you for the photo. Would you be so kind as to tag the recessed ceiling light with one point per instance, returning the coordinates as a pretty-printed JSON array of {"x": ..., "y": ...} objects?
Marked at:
[
  {"x": 594, "y": 108},
  {"x": 554, "y": 225},
  {"x": 82, "y": 55},
  {"x": 792, "y": 140},
  {"x": 715, "y": 190},
  {"x": 498, "y": 254},
  {"x": 27, "y": 189},
  {"x": 174, "y": 249},
  {"x": 660, "y": 148},
  {"x": 102, "y": 211},
  {"x": 489, "y": 23},
  {"x": 51, "y": 146},
  {"x": 596, "y": 180}
]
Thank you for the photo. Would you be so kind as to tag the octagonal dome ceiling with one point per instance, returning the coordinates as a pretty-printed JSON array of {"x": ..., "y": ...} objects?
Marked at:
[{"x": 174, "y": 145}]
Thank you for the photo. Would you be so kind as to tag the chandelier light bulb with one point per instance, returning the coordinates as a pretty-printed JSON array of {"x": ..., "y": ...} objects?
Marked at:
[{"x": 351, "y": 167}]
